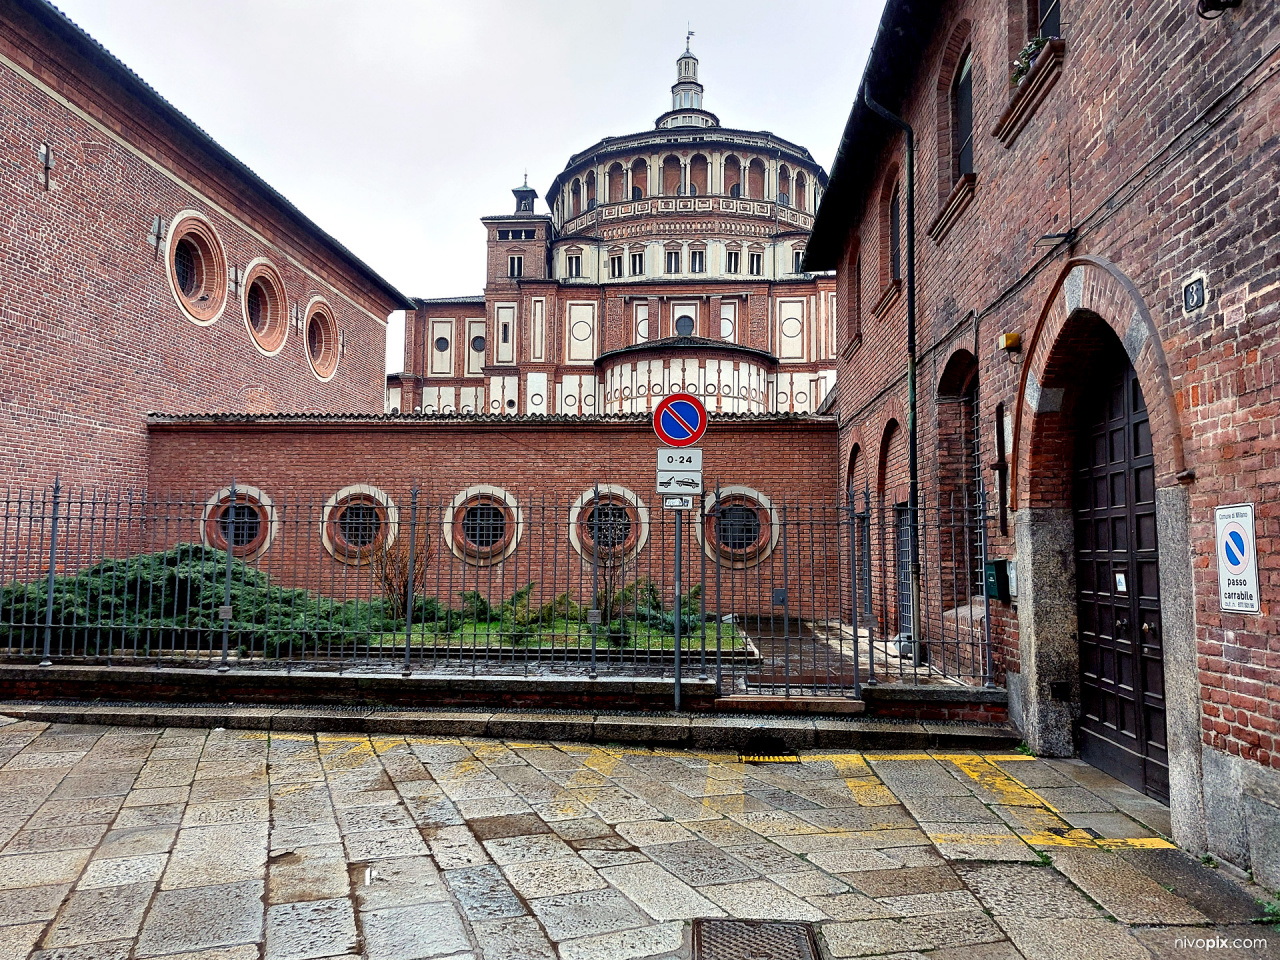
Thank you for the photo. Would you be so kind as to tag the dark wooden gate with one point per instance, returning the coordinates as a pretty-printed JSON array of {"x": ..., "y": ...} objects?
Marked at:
[{"x": 1122, "y": 723}]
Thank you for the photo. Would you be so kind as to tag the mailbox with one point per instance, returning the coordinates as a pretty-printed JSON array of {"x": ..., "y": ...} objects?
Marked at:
[{"x": 998, "y": 580}]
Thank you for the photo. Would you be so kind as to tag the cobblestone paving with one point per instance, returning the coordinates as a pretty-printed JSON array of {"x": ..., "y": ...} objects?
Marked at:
[{"x": 127, "y": 843}]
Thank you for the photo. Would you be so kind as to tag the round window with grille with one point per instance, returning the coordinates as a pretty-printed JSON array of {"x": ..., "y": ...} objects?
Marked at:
[
  {"x": 359, "y": 521},
  {"x": 242, "y": 521},
  {"x": 265, "y": 313},
  {"x": 482, "y": 525},
  {"x": 197, "y": 268},
  {"x": 684, "y": 326},
  {"x": 322, "y": 340},
  {"x": 739, "y": 529}
]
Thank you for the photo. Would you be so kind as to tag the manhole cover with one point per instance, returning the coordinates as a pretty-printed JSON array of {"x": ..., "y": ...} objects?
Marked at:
[{"x": 752, "y": 940}]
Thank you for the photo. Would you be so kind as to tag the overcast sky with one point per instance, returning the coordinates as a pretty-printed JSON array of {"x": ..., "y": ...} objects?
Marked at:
[{"x": 396, "y": 124}]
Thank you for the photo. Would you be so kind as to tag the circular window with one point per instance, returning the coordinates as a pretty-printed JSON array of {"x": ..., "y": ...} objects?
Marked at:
[
  {"x": 477, "y": 344},
  {"x": 511, "y": 404},
  {"x": 739, "y": 528},
  {"x": 322, "y": 340},
  {"x": 684, "y": 326},
  {"x": 357, "y": 522},
  {"x": 265, "y": 313},
  {"x": 244, "y": 523},
  {"x": 442, "y": 344},
  {"x": 791, "y": 327},
  {"x": 581, "y": 330},
  {"x": 482, "y": 525},
  {"x": 536, "y": 399},
  {"x": 609, "y": 524},
  {"x": 197, "y": 268}
]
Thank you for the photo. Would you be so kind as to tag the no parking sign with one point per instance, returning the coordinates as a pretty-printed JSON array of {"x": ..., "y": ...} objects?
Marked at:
[{"x": 1237, "y": 559}]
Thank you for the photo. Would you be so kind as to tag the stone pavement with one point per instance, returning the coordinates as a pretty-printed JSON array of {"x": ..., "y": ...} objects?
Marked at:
[{"x": 124, "y": 843}]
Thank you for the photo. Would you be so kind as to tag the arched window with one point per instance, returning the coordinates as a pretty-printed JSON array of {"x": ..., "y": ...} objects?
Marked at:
[
  {"x": 616, "y": 184},
  {"x": 575, "y": 198},
  {"x": 591, "y": 190},
  {"x": 962, "y": 118},
  {"x": 639, "y": 179},
  {"x": 733, "y": 176},
  {"x": 671, "y": 177},
  {"x": 755, "y": 180},
  {"x": 802, "y": 186},
  {"x": 784, "y": 185},
  {"x": 895, "y": 234},
  {"x": 698, "y": 175}
]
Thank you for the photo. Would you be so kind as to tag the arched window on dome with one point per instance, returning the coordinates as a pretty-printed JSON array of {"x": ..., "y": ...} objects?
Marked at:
[
  {"x": 575, "y": 198},
  {"x": 671, "y": 176},
  {"x": 591, "y": 190},
  {"x": 639, "y": 179},
  {"x": 755, "y": 180},
  {"x": 802, "y": 189},
  {"x": 732, "y": 176},
  {"x": 698, "y": 175},
  {"x": 784, "y": 185},
  {"x": 616, "y": 184}
]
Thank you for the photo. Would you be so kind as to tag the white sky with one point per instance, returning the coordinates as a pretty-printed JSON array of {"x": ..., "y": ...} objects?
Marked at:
[{"x": 396, "y": 124}]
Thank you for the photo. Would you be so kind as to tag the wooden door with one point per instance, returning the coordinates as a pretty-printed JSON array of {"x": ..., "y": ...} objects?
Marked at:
[{"x": 1122, "y": 723}]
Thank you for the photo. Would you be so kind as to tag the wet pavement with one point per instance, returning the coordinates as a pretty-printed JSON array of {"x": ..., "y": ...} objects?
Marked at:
[{"x": 125, "y": 843}]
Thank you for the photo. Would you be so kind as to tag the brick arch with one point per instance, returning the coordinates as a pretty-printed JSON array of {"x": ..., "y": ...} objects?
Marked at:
[
  {"x": 952, "y": 56},
  {"x": 1090, "y": 291},
  {"x": 887, "y": 188}
]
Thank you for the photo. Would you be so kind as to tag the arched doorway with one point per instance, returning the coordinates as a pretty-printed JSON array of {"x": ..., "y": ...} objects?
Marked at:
[{"x": 1122, "y": 727}]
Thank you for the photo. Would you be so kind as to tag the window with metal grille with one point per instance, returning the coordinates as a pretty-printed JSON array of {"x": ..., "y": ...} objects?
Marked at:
[
  {"x": 615, "y": 266},
  {"x": 185, "y": 270},
  {"x": 962, "y": 117},
  {"x": 240, "y": 524},
  {"x": 895, "y": 235},
  {"x": 732, "y": 260},
  {"x": 359, "y": 524},
  {"x": 684, "y": 326},
  {"x": 1050, "y": 18},
  {"x": 607, "y": 527},
  {"x": 574, "y": 265},
  {"x": 484, "y": 525},
  {"x": 673, "y": 261},
  {"x": 637, "y": 264},
  {"x": 755, "y": 264},
  {"x": 515, "y": 266},
  {"x": 738, "y": 528},
  {"x": 256, "y": 301},
  {"x": 697, "y": 261}
]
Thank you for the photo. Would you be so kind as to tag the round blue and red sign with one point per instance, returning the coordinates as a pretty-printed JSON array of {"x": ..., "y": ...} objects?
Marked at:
[{"x": 680, "y": 420}]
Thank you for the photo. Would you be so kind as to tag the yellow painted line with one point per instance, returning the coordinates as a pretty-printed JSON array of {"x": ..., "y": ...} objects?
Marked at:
[
  {"x": 1137, "y": 843},
  {"x": 1012, "y": 792}
]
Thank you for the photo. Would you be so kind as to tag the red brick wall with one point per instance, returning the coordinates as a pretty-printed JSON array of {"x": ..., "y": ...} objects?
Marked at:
[
  {"x": 545, "y": 465},
  {"x": 91, "y": 337},
  {"x": 1161, "y": 192}
]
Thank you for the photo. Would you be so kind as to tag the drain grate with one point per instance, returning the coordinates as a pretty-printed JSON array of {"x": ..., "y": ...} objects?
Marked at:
[
  {"x": 752, "y": 940},
  {"x": 766, "y": 748}
]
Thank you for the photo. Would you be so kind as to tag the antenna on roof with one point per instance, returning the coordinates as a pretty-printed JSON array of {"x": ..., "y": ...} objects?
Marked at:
[
  {"x": 688, "y": 35},
  {"x": 526, "y": 176}
]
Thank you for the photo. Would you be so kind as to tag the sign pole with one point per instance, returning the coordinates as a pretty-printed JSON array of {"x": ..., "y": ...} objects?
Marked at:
[{"x": 678, "y": 618}]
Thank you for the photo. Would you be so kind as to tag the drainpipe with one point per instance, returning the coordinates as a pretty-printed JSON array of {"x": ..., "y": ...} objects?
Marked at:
[{"x": 913, "y": 497}]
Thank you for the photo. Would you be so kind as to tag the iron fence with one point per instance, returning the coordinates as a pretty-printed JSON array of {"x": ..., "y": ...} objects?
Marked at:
[{"x": 782, "y": 597}]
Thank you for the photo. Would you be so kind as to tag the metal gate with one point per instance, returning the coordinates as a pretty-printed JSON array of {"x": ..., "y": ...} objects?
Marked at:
[{"x": 789, "y": 597}]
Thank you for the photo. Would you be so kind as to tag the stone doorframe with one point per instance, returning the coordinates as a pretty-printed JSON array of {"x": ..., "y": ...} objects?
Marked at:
[{"x": 1092, "y": 290}]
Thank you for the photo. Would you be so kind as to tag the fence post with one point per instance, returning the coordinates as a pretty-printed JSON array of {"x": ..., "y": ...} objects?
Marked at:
[
  {"x": 224, "y": 612},
  {"x": 853, "y": 584},
  {"x": 786, "y": 608},
  {"x": 867, "y": 592},
  {"x": 677, "y": 621},
  {"x": 989, "y": 680},
  {"x": 53, "y": 566},
  {"x": 408, "y": 610},
  {"x": 594, "y": 612}
]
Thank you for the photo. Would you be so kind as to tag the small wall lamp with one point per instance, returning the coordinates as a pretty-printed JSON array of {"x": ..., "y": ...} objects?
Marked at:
[{"x": 1010, "y": 342}]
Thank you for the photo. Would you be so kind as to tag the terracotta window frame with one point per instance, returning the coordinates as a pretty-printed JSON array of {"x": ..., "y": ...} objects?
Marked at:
[
  {"x": 708, "y": 533},
  {"x": 609, "y": 494},
  {"x": 323, "y": 344},
  {"x": 453, "y": 525},
  {"x": 331, "y": 527},
  {"x": 263, "y": 283},
  {"x": 213, "y": 521},
  {"x": 206, "y": 300}
]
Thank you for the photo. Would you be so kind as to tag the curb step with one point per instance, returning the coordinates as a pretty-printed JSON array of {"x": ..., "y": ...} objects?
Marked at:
[{"x": 713, "y": 732}]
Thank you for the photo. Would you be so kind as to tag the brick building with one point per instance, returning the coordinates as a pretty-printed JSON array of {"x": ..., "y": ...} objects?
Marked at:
[
  {"x": 1097, "y": 288},
  {"x": 143, "y": 267},
  {"x": 670, "y": 260}
]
